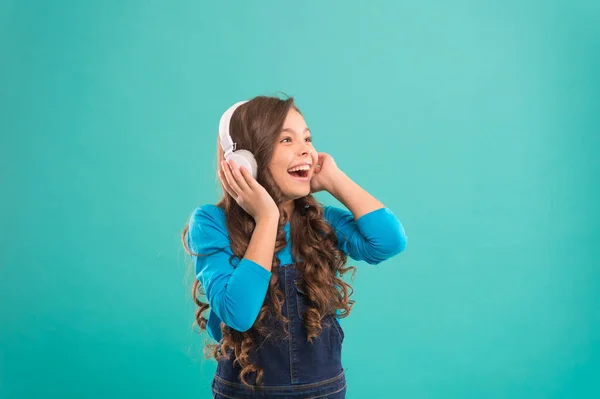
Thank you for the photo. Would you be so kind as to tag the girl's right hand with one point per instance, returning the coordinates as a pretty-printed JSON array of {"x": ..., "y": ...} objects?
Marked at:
[{"x": 247, "y": 192}]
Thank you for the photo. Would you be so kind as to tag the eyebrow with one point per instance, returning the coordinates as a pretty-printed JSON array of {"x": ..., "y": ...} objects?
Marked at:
[{"x": 292, "y": 131}]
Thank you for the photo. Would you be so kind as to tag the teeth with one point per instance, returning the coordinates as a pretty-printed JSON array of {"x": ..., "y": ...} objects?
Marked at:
[{"x": 303, "y": 167}]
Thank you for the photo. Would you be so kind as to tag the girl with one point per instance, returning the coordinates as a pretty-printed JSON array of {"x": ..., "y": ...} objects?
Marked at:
[{"x": 270, "y": 258}]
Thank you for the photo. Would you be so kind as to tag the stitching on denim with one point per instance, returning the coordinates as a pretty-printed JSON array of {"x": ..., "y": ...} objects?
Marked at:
[
  {"x": 290, "y": 329},
  {"x": 330, "y": 393},
  {"x": 338, "y": 328},
  {"x": 299, "y": 293},
  {"x": 222, "y": 394},
  {"x": 273, "y": 387}
]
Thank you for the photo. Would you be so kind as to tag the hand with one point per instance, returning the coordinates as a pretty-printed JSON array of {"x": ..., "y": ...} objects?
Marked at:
[
  {"x": 247, "y": 192},
  {"x": 325, "y": 173}
]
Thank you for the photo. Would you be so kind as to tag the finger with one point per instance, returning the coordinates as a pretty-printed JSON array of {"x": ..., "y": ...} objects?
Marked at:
[
  {"x": 225, "y": 185},
  {"x": 250, "y": 180},
  {"x": 318, "y": 166},
  {"x": 239, "y": 178},
  {"x": 231, "y": 180}
]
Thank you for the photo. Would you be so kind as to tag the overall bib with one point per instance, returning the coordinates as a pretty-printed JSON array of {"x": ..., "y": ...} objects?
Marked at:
[{"x": 293, "y": 367}]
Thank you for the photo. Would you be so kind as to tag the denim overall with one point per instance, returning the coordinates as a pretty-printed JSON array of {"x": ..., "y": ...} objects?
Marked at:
[{"x": 293, "y": 367}]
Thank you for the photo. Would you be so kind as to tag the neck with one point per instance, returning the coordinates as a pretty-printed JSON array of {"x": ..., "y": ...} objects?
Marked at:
[{"x": 288, "y": 206}]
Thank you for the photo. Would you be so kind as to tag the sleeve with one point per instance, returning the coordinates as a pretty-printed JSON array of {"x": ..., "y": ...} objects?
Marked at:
[
  {"x": 235, "y": 294},
  {"x": 374, "y": 237}
]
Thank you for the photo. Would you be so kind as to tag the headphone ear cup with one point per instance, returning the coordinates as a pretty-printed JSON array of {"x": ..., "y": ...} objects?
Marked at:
[{"x": 246, "y": 159}]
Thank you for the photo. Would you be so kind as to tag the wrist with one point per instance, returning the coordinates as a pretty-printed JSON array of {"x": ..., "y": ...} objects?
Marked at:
[
  {"x": 337, "y": 183},
  {"x": 270, "y": 218}
]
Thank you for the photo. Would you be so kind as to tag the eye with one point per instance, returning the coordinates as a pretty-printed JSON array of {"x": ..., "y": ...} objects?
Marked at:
[{"x": 289, "y": 140}]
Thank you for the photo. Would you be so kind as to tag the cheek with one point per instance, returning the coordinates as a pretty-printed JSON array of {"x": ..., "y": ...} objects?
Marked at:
[
  {"x": 275, "y": 162},
  {"x": 315, "y": 156},
  {"x": 278, "y": 170}
]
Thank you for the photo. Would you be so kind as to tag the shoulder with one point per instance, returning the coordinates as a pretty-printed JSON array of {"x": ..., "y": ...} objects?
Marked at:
[
  {"x": 208, "y": 213},
  {"x": 334, "y": 215},
  {"x": 207, "y": 226}
]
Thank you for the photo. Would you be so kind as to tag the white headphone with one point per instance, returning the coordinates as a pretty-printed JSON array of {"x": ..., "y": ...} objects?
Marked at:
[{"x": 240, "y": 157}]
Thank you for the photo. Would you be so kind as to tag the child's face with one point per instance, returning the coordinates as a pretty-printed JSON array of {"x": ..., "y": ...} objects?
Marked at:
[{"x": 292, "y": 148}]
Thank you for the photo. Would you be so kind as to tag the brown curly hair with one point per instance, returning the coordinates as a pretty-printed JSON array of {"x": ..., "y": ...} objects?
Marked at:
[{"x": 255, "y": 126}]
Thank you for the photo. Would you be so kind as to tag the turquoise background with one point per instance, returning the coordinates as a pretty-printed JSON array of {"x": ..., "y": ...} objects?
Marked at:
[{"x": 477, "y": 123}]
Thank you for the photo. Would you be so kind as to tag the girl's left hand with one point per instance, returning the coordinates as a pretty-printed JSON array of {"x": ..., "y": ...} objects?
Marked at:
[{"x": 325, "y": 173}]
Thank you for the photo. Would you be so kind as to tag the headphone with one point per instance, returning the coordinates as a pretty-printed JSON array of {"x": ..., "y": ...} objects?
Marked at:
[{"x": 240, "y": 157}]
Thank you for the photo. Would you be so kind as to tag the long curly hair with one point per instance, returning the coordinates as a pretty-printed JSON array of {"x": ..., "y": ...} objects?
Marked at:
[{"x": 255, "y": 126}]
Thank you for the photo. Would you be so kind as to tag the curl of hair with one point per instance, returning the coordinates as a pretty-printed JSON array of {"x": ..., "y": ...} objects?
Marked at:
[{"x": 255, "y": 126}]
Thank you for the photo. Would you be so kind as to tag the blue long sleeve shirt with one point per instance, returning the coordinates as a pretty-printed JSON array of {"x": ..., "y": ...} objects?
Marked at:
[{"x": 236, "y": 294}]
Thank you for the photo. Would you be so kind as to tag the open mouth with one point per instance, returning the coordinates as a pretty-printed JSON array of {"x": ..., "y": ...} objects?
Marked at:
[{"x": 300, "y": 172}]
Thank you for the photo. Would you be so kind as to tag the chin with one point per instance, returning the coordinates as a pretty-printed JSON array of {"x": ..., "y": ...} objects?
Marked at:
[
  {"x": 297, "y": 194},
  {"x": 302, "y": 195}
]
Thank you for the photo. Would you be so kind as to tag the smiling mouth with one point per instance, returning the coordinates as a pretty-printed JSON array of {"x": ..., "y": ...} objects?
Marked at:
[{"x": 299, "y": 173}]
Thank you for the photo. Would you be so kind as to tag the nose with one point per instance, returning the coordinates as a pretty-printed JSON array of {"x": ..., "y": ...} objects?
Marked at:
[{"x": 304, "y": 149}]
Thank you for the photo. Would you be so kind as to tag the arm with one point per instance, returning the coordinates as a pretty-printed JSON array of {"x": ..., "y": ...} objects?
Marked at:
[
  {"x": 374, "y": 237},
  {"x": 381, "y": 233},
  {"x": 235, "y": 294},
  {"x": 262, "y": 243},
  {"x": 353, "y": 196},
  {"x": 370, "y": 231}
]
